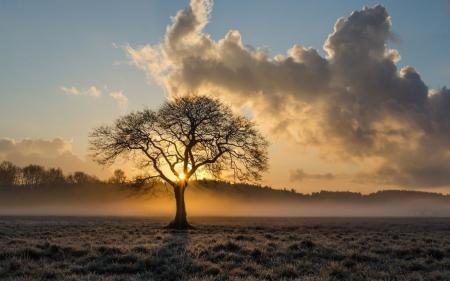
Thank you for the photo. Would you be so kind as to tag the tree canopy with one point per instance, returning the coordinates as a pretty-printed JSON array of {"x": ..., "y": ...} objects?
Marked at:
[{"x": 185, "y": 136}]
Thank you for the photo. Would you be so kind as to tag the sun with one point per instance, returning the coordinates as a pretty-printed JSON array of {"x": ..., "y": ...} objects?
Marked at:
[{"x": 181, "y": 176}]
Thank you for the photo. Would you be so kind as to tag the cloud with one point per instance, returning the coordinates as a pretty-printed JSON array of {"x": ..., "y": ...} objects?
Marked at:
[
  {"x": 354, "y": 104},
  {"x": 300, "y": 175},
  {"x": 55, "y": 152},
  {"x": 120, "y": 99},
  {"x": 91, "y": 91},
  {"x": 70, "y": 90},
  {"x": 118, "y": 96}
]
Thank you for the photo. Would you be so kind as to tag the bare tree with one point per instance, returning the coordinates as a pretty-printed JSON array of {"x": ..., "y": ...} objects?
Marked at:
[
  {"x": 81, "y": 178},
  {"x": 9, "y": 173},
  {"x": 187, "y": 136},
  {"x": 33, "y": 175},
  {"x": 54, "y": 177},
  {"x": 118, "y": 177}
]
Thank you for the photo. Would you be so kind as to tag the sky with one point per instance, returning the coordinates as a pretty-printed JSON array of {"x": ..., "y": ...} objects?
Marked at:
[{"x": 69, "y": 66}]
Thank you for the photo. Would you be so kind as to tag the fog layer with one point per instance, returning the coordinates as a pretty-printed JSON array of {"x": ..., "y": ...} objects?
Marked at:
[{"x": 218, "y": 199}]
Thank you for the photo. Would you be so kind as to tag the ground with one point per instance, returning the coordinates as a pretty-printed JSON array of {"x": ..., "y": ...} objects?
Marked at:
[{"x": 58, "y": 248}]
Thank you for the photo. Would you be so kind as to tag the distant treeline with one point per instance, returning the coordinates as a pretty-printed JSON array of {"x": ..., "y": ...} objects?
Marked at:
[
  {"x": 35, "y": 176},
  {"x": 251, "y": 191}
]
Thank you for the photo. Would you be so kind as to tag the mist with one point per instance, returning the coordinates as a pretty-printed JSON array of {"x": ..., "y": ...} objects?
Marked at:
[{"x": 217, "y": 200}]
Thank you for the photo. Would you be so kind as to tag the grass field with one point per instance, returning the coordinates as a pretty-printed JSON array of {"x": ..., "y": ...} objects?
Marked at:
[{"x": 76, "y": 248}]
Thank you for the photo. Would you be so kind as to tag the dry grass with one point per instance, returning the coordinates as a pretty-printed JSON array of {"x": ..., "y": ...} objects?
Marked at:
[{"x": 224, "y": 249}]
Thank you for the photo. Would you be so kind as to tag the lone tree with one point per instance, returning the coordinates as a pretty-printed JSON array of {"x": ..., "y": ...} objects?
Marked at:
[{"x": 186, "y": 136}]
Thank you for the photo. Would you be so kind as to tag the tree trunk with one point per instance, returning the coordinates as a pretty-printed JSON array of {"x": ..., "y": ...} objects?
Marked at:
[{"x": 180, "y": 221}]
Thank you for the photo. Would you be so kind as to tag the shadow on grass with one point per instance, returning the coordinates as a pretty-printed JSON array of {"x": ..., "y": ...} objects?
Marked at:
[{"x": 172, "y": 260}]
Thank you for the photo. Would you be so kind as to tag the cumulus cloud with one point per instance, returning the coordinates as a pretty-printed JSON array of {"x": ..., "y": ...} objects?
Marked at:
[
  {"x": 70, "y": 90},
  {"x": 300, "y": 175},
  {"x": 354, "y": 103},
  {"x": 120, "y": 99},
  {"x": 56, "y": 152},
  {"x": 92, "y": 91}
]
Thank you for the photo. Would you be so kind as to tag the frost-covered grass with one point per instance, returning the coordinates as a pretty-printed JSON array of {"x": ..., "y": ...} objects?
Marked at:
[{"x": 224, "y": 249}]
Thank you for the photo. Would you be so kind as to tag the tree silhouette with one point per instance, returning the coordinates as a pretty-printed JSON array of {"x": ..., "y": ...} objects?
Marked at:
[
  {"x": 33, "y": 175},
  {"x": 118, "y": 177},
  {"x": 187, "y": 136},
  {"x": 8, "y": 173},
  {"x": 81, "y": 178},
  {"x": 54, "y": 176},
  {"x": 37, "y": 176}
]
